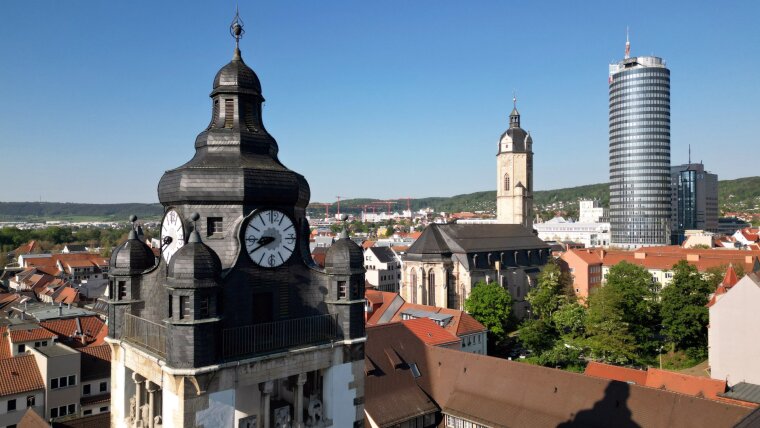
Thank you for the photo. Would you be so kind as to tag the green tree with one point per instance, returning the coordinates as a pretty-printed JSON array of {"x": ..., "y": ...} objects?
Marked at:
[
  {"x": 553, "y": 289},
  {"x": 682, "y": 307},
  {"x": 537, "y": 335},
  {"x": 609, "y": 338},
  {"x": 714, "y": 275},
  {"x": 491, "y": 305}
]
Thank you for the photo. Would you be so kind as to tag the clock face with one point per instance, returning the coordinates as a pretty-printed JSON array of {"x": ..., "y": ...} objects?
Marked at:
[
  {"x": 270, "y": 238},
  {"x": 172, "y": 234}
]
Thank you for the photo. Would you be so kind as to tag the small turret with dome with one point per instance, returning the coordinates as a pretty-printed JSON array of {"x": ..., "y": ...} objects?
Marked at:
[
  {"x": 133, "y": 256},
  {"x": 514, "y": 139},
  {"x": 194, "y": 289},
  {"x": 344, "y": 265}
]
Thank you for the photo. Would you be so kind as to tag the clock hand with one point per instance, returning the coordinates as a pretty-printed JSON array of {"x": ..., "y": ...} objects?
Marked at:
[
  {"x": 167, "y": 241},
  {"x": 263, "y": 241}
]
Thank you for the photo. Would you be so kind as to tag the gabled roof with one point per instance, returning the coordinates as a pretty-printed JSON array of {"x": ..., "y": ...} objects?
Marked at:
[
  {"x": 19, "y": 374},
  {"x": 469, "y": 238},
  {"x": 29, "y": 333},
  {"x": 430, "y": 333},
  {"x": 383, "y": 254},
  {"x": 32, "y": 420}
]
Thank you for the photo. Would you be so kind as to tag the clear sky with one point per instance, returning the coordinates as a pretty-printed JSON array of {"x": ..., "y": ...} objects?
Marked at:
[{"x": 381, "y": 99}]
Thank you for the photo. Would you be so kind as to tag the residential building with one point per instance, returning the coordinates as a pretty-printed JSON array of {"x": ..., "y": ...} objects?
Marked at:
[
  {"x": 694, "y": 200},
  {"x": 584, "y": 264},
  {"x": 234, "y": 325},
  {"x": 411, "y": 384},
  {"x": 733, "y": 348},
  {"x": 384, "y": 307},
  {"x": 639, "y": 122},
  {"x": 383, "y": 267},
  {"x": 87, "y": 272},
  {"x": 514, "y": 174},
  {"x": 446, "y": 261},
  {"x": 21, "y": 388},
  {"x": 748, "y": 237}
]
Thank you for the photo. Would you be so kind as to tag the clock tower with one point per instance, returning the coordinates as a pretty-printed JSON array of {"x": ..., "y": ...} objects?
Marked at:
[
  {"x": 514, "y": 174},
  {"x": 233, "y": 324}
]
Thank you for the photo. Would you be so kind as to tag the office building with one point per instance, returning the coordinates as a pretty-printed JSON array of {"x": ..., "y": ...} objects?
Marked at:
[
  {"x": 694, "y": 200},
  {"x": 639, "y": 122}
]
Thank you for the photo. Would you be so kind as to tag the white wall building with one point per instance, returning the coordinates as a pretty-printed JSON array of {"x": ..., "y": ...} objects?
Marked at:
[
  {"x": 592, "y": 212},
  {"x": 383, "y": 268},
  {"x": 589, "y": 234}
]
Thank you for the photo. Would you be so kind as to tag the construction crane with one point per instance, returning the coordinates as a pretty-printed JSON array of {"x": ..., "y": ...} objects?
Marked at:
[
  {"x": 339, "y": 203},
  {"x": 327, "y": 208},
  {"x": 408, "y": 204}
]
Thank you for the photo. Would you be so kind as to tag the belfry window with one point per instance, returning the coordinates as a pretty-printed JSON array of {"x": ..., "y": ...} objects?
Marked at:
[
  {"x": 506, "y": 181},
  {"x": 229, "y": 112},
  {"x": 214, "y": 225}
]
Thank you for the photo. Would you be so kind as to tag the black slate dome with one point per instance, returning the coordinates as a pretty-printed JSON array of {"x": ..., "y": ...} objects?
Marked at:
[
  {"x": 344, "y": 257},
  {"x": 132, "y": 257},
  {"x": 237, "y": 74},
  {"x": 195, "y": 264}
]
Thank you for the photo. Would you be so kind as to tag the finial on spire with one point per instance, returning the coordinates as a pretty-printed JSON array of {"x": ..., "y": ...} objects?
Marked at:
[
  {"x": 514, "y": 99},
  {"x": 194, "y": 235},
  {"x": 133, "y": 229},
  {"x": 627, "y": 44},
  {"x": 237, "y": 31}
]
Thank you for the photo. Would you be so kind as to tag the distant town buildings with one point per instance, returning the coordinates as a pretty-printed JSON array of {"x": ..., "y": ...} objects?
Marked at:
[
  {"x": 639, "y": 132},
  {"x": 694, "y": 200},
  {"x": 591, "y": 230}
]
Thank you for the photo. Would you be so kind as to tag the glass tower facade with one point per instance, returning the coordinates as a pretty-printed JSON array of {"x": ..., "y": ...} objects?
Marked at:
[{"x": 640, "y": 193}]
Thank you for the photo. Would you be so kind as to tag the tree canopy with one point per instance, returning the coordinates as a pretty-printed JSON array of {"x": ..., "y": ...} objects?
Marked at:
[
  {"x": 491, "y": 305},
  {"x": 684, "y": 314}
]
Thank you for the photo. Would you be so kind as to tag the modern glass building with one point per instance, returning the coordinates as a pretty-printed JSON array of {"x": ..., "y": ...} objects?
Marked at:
[
  {"x": 640, "y": 193},
  {"x": 694, "y": 200}
]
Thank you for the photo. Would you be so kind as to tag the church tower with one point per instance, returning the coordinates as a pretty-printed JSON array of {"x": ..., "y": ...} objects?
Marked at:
[
  {"x": 514, "y": 174},
  {"x": 233, "y": 325}
]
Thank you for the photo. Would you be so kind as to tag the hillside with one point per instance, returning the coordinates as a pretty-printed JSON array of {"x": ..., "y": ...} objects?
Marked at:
[{"x": 742, "y": 194}]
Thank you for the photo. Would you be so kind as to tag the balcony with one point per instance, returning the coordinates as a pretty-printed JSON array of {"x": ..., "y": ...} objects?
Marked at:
[
  {"x": 270, "y": 337},
  {"x": 147, "y": 334}
]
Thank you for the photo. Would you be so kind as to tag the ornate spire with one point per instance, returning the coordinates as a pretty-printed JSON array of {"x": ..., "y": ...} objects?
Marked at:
[{"x": 237, "y": 31}]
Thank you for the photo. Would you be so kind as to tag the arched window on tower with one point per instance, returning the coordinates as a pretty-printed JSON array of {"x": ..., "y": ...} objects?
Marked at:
[
  {"x": 506, "y": 181},
  {"x": 431, "y": 288},
  {"x": 413, "y": 285}
]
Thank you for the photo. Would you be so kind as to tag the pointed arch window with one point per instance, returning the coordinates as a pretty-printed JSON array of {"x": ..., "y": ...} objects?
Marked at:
[
  {"x": 506, "y": 182},
  {"x": 431, "y": 288}
]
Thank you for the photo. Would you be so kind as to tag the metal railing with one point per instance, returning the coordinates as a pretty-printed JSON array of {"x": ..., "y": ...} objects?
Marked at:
[
  {"x": 147, "y": 334},
  {"x": 274, "y": 336}
]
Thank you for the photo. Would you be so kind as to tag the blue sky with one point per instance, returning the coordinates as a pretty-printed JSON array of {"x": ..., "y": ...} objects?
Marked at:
[{"x": 381, "y": 99}]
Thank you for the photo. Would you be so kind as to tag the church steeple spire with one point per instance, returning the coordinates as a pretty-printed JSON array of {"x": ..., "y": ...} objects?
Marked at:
[{"x": 514, "y": 117}]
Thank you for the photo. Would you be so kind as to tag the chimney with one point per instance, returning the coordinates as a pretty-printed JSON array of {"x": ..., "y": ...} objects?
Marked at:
[
  {"x": 639, "y": 255},
  {"x": 692, "y": 257},
  {"x": 602, "y": 253}
]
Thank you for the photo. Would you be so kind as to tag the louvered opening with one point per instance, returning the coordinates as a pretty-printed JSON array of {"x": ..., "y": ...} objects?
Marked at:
[
  {"x": 250, "y": 123},
  {"x": 229, "y": 112}
]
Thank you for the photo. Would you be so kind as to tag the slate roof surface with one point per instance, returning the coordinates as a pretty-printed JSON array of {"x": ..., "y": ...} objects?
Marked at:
[
  {"x": 469, "y": 238},
  {"x": 19, "y": 374},
  {"x": 744, "y": 391},
  {"x": 383, "y": 254}
]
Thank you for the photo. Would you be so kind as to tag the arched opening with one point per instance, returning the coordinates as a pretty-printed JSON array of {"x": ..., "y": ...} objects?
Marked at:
[
  {"x": 506, "y": 181},
  {"x": 431, "y": 288}
]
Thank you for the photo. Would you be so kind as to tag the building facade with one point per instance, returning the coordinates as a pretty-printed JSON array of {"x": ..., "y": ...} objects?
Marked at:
[
  {"x": 233, "y": 325},
  {"x": 639, "y": 134},
  {"x": 383, "y": 267},
  {"x": 694, "y": 200},
  {"x": 514, "y": 175}
]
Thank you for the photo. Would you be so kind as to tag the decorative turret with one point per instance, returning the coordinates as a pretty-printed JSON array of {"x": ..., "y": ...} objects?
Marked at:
[
  {"x": 128, "y": 262},
  {"x": 344, "y": 264},
  {"x": 193, "y": 285}
]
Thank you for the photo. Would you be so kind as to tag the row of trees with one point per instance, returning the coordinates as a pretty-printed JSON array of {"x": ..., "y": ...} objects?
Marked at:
[{"x": 629, "y": 321}]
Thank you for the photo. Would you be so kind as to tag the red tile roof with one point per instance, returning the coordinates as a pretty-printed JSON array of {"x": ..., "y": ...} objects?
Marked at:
[
  {"x": 27, "y": 335},
  {"x": 92, "y": 327},
  {"x": 729, "y": 280},
  {"x": 19, "y": 374},
  {"x": 685, "y": 384},
  {"x": 67, "y": 295},
  {"x": 429, "y": 332},
  {"x": 366, "y": 244},
  {"x": 623, "y": 374}
]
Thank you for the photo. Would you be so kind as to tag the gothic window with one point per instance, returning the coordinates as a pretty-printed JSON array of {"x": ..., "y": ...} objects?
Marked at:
[
  {"x": 506, "y": 181},
  {"x": 431, "y": 288},
  {"x": 413, "y": 284}
]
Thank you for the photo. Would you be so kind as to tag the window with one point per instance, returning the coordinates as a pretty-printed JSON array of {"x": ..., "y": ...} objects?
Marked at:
[
  {"x": 203, "y": 307},
  {"x": 171, "y": 306},
  {"x": 54, "y": 383},
  {"x": 72, "y": 380},
  {"x": 103, "y": 386},
  {"x": 30, "y": 400},
  {"x": 54, "y": 413},
  {"x": 87, "y": 412},
  {"x": 184, "y": 307},
  {"x": 122, "y": 290},
  {"x": 229, "y": 109},
  {"x": 72, "y": 409},
  {"x": 11, "y": 405},
  {"x": 214, "y": 225},
  {"x": 36, "y": 344},
  {"x": 342, "y": 289},
  {"x": 506, "y": 182},
  {"x": 86, "y": 390},
  {"x": 21, "y": 348},
  {"x": 104, "y": 409},
  {"x": 63, "y": 382}
]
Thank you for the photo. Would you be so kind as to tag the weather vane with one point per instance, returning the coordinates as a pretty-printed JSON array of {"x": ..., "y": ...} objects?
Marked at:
[{"x": 236, "y": 27}]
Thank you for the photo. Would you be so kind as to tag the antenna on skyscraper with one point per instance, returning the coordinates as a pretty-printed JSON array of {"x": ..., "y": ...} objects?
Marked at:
[
  {"x": 627, "y": 44},
  {"x": 689, "y": 154}
]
